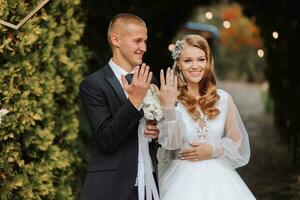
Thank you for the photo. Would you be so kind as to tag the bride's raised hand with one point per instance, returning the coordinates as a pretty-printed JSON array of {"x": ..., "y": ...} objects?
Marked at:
[{"x": 167, "y": 93}]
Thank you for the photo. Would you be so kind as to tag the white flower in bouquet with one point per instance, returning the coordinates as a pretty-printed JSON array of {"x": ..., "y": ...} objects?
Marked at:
[
  {"x": 151, "y": 106},
  {"x": 2, "y": 113}
]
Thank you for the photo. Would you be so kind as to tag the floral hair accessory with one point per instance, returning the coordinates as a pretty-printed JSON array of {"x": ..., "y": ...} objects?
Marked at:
[{"x": 176, "y": 49}]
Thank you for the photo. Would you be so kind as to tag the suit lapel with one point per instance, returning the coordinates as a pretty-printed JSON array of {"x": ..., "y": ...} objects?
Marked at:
[{"x": 114, "y": 82}]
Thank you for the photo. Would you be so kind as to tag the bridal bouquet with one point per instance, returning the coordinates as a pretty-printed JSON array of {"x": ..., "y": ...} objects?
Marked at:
[{"x": 151, "y": 106}]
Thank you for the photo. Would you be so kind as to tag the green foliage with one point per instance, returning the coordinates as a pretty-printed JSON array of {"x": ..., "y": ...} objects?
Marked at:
[
  {"x": 283, "y": 70},
  {"x": 267, "y": 100},
  {"x": 41, "y": 65}
]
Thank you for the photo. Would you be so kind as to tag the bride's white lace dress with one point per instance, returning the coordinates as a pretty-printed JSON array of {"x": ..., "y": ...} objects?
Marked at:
[{"x": 212, "y": 179}]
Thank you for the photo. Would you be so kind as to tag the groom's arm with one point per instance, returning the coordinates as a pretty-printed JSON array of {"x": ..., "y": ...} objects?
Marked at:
[{"x": 108, "y": 130}]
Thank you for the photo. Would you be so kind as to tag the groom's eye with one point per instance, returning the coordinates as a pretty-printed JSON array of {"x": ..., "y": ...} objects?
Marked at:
[{"x": 137, "y": 40}]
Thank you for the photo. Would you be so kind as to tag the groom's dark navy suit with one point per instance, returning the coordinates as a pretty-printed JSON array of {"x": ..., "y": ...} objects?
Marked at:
[{"x": 114, "y": 121}]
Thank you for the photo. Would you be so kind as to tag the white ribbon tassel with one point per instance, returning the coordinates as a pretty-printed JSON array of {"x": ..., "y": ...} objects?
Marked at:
[{"x": 145, "y": 175}]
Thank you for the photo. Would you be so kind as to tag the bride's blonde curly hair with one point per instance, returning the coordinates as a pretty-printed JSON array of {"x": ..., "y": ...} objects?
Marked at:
[{"x": 207, "y": 91}]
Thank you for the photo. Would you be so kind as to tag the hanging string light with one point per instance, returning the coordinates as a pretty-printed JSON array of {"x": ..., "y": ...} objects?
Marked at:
[
  {"x": 275, "y": 34},
  {"x": 209, "y": 15},
  {"x": 226, "y": 24},
  {"x": 260, "y": 53}
]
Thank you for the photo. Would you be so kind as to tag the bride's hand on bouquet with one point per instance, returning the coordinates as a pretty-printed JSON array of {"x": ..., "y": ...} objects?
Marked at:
[
  {"x": 196, "y": 152},
  {"x": 167, "y": 93}
]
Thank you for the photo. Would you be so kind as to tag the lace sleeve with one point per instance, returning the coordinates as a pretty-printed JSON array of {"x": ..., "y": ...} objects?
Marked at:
[
  {"x": 234, "y": 145},
  {"x": 171, "y": 129}
]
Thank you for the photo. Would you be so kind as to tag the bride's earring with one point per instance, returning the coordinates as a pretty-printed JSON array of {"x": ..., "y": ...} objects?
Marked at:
[{"x": 182, "y": 78}]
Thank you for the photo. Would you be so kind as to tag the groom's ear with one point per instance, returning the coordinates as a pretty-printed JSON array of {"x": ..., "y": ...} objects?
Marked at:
[{"x": 115, "y": 39}]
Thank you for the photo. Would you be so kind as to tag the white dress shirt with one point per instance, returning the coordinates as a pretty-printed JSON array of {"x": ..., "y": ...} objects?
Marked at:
[{"x": 118, "y": 71}]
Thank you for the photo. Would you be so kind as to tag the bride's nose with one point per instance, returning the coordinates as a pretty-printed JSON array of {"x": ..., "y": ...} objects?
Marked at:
[{"x": 196, "y": 65}]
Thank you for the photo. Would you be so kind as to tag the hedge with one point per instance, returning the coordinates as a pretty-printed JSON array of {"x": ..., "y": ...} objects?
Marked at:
[{"x": 41, "y": 65}]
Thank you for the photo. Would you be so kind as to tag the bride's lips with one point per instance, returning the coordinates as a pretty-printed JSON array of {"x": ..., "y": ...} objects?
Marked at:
[{"x": 195, "y": 73}]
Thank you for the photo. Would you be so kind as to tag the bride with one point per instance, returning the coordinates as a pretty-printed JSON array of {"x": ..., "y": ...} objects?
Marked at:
[{"x": 202, "y": 138}]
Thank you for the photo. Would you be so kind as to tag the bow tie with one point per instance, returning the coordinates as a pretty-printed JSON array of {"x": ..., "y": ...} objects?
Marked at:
[{"x": 129, "y": 77}]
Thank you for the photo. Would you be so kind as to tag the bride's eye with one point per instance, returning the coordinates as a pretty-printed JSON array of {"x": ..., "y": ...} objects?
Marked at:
[{"x": 202, "y": 59}]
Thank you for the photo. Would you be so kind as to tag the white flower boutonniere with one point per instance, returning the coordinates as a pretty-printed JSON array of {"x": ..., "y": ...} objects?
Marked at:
[
  {"x": 151, "y": 106},
  {"x": 2, "y": 113}
]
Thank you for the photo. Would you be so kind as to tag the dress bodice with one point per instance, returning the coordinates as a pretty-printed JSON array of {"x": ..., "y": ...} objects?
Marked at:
[
  {"x": 225, "y": 133},
  {"x": 215, "y": 127}
]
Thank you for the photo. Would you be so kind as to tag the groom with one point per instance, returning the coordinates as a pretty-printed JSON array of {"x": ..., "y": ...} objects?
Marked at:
[{"x": 113, "y": 108}]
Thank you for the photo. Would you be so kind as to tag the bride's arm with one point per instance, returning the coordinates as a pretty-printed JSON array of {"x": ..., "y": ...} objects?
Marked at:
[
  {"x": 171, "y": 129},
  {"x": 234, "y": 146}
]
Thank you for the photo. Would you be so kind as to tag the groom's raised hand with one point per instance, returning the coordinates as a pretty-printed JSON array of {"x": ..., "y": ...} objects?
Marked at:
[{"x": 140, "y": 83}]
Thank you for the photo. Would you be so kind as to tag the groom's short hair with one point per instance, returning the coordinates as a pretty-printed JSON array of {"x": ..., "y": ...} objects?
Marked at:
[{"x": 123, "y": 18}]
